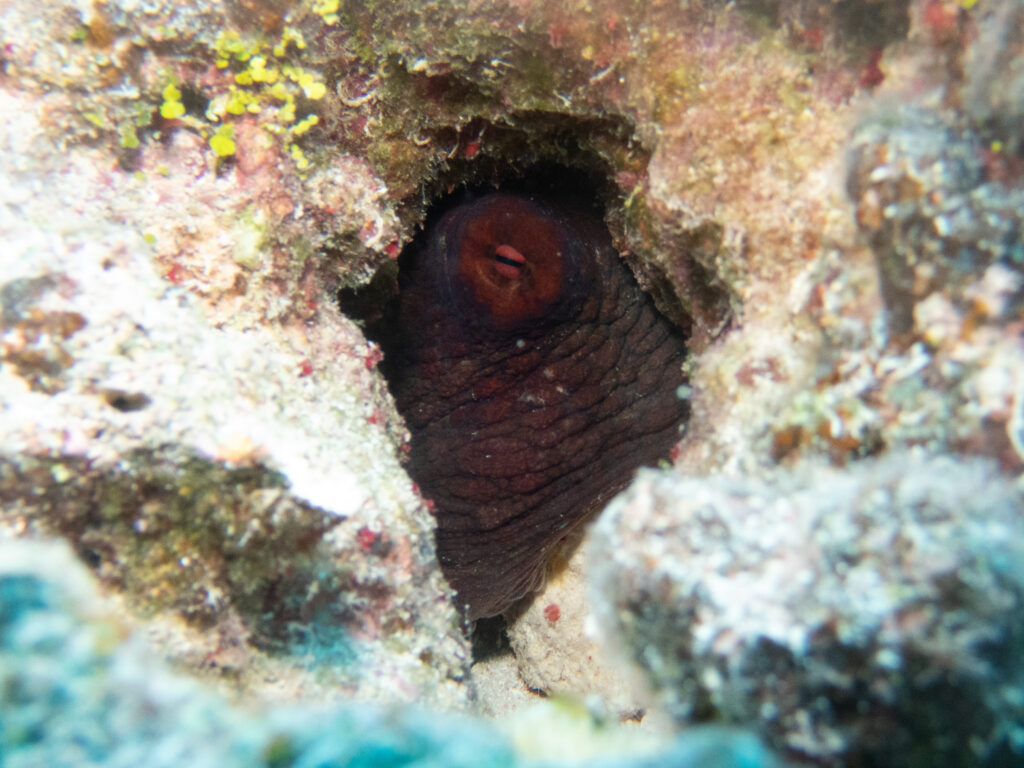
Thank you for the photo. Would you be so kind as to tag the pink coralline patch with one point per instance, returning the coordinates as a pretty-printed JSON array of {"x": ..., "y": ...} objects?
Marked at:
[
  {"x": 872, "y": 75},
  {"x": 814, "y": 37},
  {"x": 373, "y": 356},
  {"x": 552, "y": 613},
  {"x": 305, "y": 368},
  {"x": 176, "y": 274},
  {"x": 751, "y": 371},
  {"x": 309, "y": 290},
  {"x": 627, "y": 180},
  {"x": 377, "y": 417},
  {"x": 256, "y": 154},
  {"x": 366, "y": 538},
  {"x": 941, "y": 18}
]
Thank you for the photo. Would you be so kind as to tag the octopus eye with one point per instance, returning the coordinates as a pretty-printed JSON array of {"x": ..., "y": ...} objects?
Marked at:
[
  {"x": 509, "y": 262},
  {"x": 508, "y": 257}
]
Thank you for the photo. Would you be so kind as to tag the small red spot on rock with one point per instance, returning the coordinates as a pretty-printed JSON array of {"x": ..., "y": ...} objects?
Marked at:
[
  {"x": 305, "y": 368},
  {"x": 674, "y": 455},
  {"x": 745, "y": 375},
  {"x": 365, "y": 538},
  {"x": 627, "y": 179},
  {"x": 472, "y": 148},
  {"x": 392, "y": 249},
  {"x": 176, "y": 274},
  {"x": 428, "y": 503},
  {"x": 552, "y": 613},
  {"x": 814, "y": 37},
  {"x": 941, "y": 18},
  {"x": 373, "y": 356},
  {"x": 872, "y": 74}
]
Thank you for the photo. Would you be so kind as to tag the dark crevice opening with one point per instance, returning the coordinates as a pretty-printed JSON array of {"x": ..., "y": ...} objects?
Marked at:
[
  {"x": 490, "y": 639},
  {"x": 569, "y": 174},
  {"x": 586, "y": 185},
  {"x": 579, "y": 177}
]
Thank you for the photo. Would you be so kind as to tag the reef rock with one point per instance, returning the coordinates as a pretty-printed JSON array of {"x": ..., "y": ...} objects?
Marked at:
[
  {"x": 865, "y": 617},
  {"x": 202, "y": 206},
  {"x": 78, "y": 688},
  {"x": 214, "y": 475}
]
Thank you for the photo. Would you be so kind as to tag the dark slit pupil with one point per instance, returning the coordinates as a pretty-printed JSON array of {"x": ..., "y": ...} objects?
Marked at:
[{"x": 507, "y": 260}]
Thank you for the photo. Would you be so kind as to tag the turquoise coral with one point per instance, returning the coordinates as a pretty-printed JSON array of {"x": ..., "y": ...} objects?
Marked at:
[{"x": 71, "y": 694}]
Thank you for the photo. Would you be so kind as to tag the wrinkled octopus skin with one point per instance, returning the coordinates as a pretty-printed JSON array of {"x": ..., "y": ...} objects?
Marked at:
[{"x": 534, "y": 375}]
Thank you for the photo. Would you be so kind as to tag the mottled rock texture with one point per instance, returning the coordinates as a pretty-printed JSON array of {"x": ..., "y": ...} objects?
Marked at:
[
  {"x": 78, "y": 689},
  {"x": 556, "y": 646},
  {"x": 211, "y": 474},
  {"x": 825, "y": 196},
  {"x": 869, "y": 617}
]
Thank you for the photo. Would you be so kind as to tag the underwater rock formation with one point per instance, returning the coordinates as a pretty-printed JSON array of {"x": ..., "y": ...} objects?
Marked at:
[
  {"x": 210, "y": 474},
  {"x": 866, "y": 617},
  {"x": 934, "y": 220},
  {"x": 76, "y": 689},
  {"x": 827, "y": 195}
]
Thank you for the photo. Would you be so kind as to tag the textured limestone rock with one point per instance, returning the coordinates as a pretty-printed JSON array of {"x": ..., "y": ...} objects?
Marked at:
[
  {"x": 77, "y": 688},
  {"x": 934, "y": 220},
  {"x": 865, "y": 617},
  {"x": 245, "y": 481}
]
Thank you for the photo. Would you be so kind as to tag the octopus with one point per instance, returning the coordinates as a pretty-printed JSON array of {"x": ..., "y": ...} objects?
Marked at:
[{"x": 534, "y": 376}]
